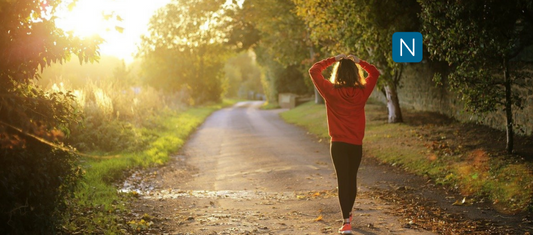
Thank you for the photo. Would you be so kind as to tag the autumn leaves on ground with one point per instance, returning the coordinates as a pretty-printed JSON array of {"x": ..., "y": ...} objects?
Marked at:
[{"x": 184, "y": 197}]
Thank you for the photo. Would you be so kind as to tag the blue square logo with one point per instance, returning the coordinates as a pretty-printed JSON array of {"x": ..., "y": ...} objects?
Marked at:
[{"x": 407, "y": 47}]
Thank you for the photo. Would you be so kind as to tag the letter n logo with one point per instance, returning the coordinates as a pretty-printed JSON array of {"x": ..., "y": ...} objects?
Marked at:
[{"x": 407, "y": 47}]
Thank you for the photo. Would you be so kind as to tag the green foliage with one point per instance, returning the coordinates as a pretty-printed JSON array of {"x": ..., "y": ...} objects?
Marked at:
[
  {"x": 292, "y": 80},
  {"x": 36, "y": 181},
  {"x": 33, "y": 111},
  {"x": 271, "y": 72},
  {"x": 243, "y": 75},
  {"x": 497, "y": 31},
  {"x": 36, "y": 175},
  {"x": 278, "y": 78},
  {"x": 111, "y": 105},
  {"x": 30, "y": 40},
  {"x": 282, "y": 33},
  {"x": 184, "y": 50},
  {"x": 107, "y": 136},
  {"x": 479, "y": 39},
  {"x": 241, "y": 31},
  {"x": 280, "y": 40},
  {"x": 361, "y": 27},
  {"x": 111, "y": 113}
]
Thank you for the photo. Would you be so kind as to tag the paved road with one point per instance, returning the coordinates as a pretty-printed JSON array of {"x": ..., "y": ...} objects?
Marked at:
[
  {"x": 247, "y": 171},
  {"x": 244, "y": 148}
]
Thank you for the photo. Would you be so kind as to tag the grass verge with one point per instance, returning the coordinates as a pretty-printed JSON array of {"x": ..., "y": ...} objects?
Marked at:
[
  {"x": 464, "y": 157},
  {"x": 97, "y": 207},
  {"x": 267, "y": 105}
]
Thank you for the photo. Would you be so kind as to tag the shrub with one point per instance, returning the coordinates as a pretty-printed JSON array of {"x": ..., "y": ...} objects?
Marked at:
[
  {"x": 35, "y": 182},
  {"x": 36, "y": 175}
]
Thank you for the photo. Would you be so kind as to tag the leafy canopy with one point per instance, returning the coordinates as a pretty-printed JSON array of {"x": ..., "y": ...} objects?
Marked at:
[
  {"x": 476, "y": 38},
  {"x": 185, "y": 49},
  {"x": 361, "y": 27},
  {"x": 36, "y": 176}
]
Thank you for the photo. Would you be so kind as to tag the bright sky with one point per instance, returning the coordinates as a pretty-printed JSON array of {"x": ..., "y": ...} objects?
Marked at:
[{"x": 87, "y": 19}]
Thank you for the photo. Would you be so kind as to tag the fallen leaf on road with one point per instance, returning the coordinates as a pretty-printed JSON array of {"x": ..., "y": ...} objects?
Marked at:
[
  {"x": 461, "y": 202},
  {"x": 319, "y": 218}
]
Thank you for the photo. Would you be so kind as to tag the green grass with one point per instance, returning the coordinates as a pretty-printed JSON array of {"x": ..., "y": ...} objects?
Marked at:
[
  {"x": 476, "y": 173},
  {"x": 267, "y": 105},
  {"x": 310, "y": 116},
  {"x": 98, "y": 206}
]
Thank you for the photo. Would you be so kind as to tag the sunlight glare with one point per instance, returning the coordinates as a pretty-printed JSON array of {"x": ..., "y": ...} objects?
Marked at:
[{"x": 87, "y": 18}]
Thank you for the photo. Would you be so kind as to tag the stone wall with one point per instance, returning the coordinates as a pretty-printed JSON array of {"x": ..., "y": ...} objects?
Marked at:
[{"x": 419, "y": 92}]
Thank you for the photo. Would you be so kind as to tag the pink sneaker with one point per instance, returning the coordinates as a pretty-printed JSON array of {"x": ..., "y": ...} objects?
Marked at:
[
  {"x": 347, "y": 226},
  {"x": 346, "y": 229}
]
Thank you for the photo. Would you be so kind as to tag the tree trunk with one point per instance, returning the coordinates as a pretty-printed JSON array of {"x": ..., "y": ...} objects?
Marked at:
[
  {"x": 508, "y": 107},
  {"x": 318, "y": 98},
  {"x": 393, "y": 104}
]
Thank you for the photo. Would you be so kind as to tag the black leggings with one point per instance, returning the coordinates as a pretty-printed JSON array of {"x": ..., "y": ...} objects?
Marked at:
[{"x": 346, "y": 159}]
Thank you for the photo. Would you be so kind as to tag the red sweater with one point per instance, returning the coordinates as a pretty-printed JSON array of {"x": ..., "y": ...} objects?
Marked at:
[{"x": 345, "y": 106}]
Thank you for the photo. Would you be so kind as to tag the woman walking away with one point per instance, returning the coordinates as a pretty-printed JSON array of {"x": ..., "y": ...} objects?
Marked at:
[{"x": 345, "y": 94}]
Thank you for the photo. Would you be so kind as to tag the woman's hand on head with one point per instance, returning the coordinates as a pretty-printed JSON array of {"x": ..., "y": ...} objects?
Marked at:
[
  {"x": 340, "y": 57},
  {"x": 354, "y": 58}
]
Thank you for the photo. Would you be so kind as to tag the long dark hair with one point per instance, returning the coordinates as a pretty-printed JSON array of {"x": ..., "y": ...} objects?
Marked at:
[{"x": 347, "y": 74}]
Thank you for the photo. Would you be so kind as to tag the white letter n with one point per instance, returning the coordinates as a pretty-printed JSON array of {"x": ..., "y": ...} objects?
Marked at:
[{"x": 401, "y": 47}]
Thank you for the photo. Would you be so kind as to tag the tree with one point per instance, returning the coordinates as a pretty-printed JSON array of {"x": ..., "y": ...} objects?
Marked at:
[
  {"x": 364, "y": 28},
  {"x": 36, "y": 173},
  {"x": 243, "y": 75},
  {"x": 185, "y": 49},
  {"x": 479, "y": 39},
  {"x": 278, "y": 37}
]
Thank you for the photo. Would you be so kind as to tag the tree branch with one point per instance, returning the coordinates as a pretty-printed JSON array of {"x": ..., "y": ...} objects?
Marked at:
[
  {"x": 53, "y": 145},
  {"x": 398, "y": 75}
]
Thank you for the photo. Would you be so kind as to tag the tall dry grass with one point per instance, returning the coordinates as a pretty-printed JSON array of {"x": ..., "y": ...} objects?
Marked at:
[{"x": 115, "y": 116}]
